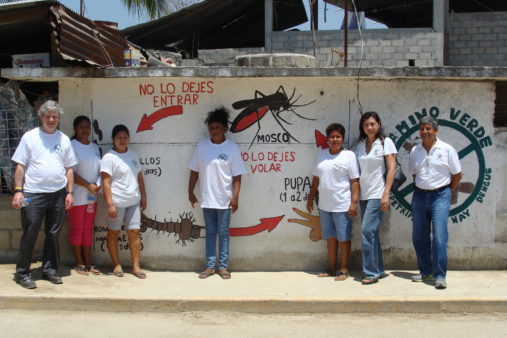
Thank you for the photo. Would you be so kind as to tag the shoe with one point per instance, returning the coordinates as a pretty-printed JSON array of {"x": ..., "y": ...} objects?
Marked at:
[
  {"x": 207, "y": 273},
  {"x": 52, "y": 278},
  {"x": 25, "y": 281},
  {"x": 421, "y": 278},
  {"x": 369, "y": 281},
  {"x": 440, "y": 283},
  {"x": 341, "y": 276}
]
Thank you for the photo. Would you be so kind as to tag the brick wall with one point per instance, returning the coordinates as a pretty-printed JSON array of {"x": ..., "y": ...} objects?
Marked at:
[
  {"x": 10, "y": 233},
  {"x": 478, "y": 39},
  {"x": 382, "y": 47}
]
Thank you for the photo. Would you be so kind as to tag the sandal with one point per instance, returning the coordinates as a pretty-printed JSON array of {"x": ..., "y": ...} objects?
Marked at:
[
  {"x": 139, "y": 274},
  {"x": 81, "y": 269},
  {"x": 369, "y": 281},
  {"x": 224, "y": 274},
  {"x": 327, "y": 273},
  {"x": 118, "y": 273},
  {"x": 91, "y": 269},
  {"x": 206, "y": 273},
  {"x": 341, "y": 276}
]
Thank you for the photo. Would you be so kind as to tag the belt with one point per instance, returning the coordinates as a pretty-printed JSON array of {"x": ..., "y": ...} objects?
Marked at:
[{"x": 433, "y": 190}]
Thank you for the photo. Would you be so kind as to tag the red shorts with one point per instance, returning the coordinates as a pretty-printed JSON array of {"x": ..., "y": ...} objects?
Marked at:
[{"x": 81, "y": 225}]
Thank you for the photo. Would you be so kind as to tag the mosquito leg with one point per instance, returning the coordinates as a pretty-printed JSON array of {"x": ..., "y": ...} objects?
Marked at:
[{"x": 280, "y": 124}]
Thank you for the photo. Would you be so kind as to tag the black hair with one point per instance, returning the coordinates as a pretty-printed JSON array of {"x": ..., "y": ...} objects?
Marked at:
[
  {"x": 118, "y": 129},
  {"x": 220, "y": 115},
  {"x": 335, "y": 127},
  {"x": 76, "y": 123},
  {"x": 364, "y": 117}
]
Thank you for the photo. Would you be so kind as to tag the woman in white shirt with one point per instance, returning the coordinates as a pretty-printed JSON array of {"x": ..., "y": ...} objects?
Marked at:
[
  {"x": 217, "y": 164},
  {"x": 87, "y": 184},
  {"x": 125, "y": 197},
  {"x": 374, "y": 152},
  {"x": 336, "y": 176}
]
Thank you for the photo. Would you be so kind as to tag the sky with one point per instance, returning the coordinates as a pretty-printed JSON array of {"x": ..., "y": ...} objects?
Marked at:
[{"x": 114, "y": 10}]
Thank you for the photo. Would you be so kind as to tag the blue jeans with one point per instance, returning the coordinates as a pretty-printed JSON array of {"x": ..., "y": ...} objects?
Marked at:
[
  {"x": 371, "y": 216},
  {"x": 430, "y": 213},
  {"x": 217, "y": 221}
]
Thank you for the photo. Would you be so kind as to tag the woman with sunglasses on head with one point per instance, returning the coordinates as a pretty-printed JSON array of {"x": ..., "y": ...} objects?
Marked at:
[{"x": 376, "y": 155}]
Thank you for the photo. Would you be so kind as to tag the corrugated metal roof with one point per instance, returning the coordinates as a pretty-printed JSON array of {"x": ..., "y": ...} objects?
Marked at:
[
  {"x": 416, "y": 13},
  {"x": 216, "y": 24},
  {"x": 47, "y": 26}
]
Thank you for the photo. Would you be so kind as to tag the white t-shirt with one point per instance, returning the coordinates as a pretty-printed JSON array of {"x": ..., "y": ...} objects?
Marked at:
[
  {"x": 372, "y": 166},
  {"x": 434, "y": 170},
  {"x": 216, "y": 164},
  {"x": 45, "y": 157},
  {"x": 123, "y": 169},
  {"x": 334, "y": 173},
  {"x": 88, "y": 168}
]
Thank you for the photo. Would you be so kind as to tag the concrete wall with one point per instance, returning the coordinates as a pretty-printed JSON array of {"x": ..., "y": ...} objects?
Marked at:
[
  {"x": 382, "y": 47},
  {"x": 279, "y": 168},
  {"x": 478, "y": 39}
]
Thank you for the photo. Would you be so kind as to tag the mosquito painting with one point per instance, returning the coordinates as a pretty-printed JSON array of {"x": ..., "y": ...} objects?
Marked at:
[{"x": 255, "y": 109}]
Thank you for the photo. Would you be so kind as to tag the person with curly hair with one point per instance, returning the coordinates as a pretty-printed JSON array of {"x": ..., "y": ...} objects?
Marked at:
[{"x": 217, "y": 164}]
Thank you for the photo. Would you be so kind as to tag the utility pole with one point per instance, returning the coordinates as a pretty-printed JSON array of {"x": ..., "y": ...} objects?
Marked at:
[{"x": 81, "y": 8}]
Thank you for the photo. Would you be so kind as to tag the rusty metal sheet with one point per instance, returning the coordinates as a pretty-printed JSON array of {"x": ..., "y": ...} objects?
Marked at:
[{"x": 81, "y": 39}]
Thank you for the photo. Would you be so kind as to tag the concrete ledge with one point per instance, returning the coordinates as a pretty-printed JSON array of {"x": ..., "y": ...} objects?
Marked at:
[
  {"x": 257, "y": 292},
  {"x": 445, "y": 73},
  {"x": 269, "y": 305}
]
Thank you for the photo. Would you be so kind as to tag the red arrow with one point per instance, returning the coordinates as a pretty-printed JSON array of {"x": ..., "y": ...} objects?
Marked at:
[
  {"x": 321, "y": 140},
  {"x": 266, "y": 224},
  {"x": 147, "y": 122}
]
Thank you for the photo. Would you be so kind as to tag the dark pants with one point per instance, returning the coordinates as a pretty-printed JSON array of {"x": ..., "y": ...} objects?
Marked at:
[{"x": 49, "y": 207}]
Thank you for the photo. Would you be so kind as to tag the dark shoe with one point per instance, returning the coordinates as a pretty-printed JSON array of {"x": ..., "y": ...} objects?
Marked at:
[
  {"x": 369, "y": 281},
  {"x": 25, "y": 281},
  {"x": 52, "y": 278}
]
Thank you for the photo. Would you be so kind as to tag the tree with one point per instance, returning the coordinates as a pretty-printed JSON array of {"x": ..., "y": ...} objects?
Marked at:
[{"x": 156, "y": 8}]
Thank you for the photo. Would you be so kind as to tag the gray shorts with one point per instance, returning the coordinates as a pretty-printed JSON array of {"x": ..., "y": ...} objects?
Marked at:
[{"x": 130, "y": 216}]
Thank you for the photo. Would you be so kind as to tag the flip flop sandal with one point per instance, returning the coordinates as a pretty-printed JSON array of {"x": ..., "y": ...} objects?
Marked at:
[
  {"x": 224, "y": 274},
  {"x": 91, "y": 269},
  {"x": 327, "y": 273},
  {"x": 369, "y": 281},
  {"x": 206, "y": 273},
  {"x": 118, "y": 273},
  {"x": 139, "y": 274},
  {"x": 341, "y": 276},
  {"x": 81, "y": 269}
]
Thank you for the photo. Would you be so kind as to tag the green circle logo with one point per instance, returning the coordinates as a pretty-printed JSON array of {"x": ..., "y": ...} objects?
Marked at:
[{"x": 472, "y": 149}]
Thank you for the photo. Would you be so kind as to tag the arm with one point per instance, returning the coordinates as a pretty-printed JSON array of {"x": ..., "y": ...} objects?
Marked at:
[
  {"x": 354, "y": 189},
  {"x": 91, "y": 187},
  {"x": 108, "y": 194},
  {"x": 312, "y": 193},
  {"x": 236, "y": 185},
  {"x": 69, "y": 198},
  {"x": 142, "y": 189},
  {"x": 19, "y": 175},
  {"x": 194, "y": 176},
  {"x": 391, "y": 172},
  {"x": 455, "y": 181}
]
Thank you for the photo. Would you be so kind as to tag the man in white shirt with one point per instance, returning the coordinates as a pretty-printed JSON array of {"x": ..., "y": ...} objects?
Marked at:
[
  {"x": 43, "y": 178},
  {"x": 436, "y": 169}
]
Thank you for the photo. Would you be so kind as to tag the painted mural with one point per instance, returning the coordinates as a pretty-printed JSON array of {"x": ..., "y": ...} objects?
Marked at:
[{"x": 278, "y": 124}]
